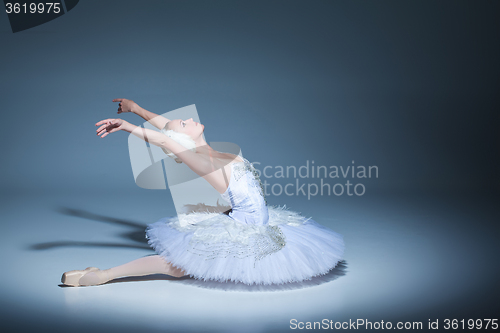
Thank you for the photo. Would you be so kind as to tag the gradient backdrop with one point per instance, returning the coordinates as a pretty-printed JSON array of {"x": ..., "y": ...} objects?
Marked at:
[{"x": 408, "y": 86}]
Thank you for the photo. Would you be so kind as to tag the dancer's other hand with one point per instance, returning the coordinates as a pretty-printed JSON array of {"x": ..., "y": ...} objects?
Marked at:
[
  {"x": 110, "y": 126},
  {"x": 126, "y": 105}
]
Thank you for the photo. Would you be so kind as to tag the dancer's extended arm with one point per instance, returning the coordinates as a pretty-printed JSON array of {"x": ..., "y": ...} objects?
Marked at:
[
  {"x": 196, "y": 162},
  {"x": 128, "y": 105}
]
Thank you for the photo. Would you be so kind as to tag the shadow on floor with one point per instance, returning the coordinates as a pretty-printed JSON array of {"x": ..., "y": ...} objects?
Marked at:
[{"x": 137, "y": 234}]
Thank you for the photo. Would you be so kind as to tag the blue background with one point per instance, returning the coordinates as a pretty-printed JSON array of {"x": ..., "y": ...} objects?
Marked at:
[{"x": 408, "y": 86}]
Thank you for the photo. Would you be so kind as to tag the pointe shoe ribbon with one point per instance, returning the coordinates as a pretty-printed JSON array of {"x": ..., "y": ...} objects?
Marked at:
[{"x": 71, "y": 278}]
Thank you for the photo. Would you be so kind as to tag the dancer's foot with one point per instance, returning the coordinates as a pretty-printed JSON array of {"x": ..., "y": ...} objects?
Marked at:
[
  {"x": 90, "y": 276},
  {"x": 71, "y": 278},
  {"x": 94, "y": 278}
]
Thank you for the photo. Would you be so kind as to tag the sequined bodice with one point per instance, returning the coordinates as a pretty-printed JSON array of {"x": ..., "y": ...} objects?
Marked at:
[{"x": 246, "y": 195}]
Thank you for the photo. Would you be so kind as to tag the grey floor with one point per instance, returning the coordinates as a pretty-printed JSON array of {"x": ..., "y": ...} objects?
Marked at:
[{"x": 408, "y": 258}]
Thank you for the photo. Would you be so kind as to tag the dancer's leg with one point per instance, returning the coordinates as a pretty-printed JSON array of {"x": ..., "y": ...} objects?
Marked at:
[{"x": 138, "y": 267}]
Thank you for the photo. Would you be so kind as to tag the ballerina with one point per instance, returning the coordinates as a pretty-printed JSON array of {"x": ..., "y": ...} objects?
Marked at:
[{"x": 252, "y": 243}]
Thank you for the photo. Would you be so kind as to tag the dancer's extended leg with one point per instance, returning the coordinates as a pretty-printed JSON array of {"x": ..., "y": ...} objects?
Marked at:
[{"x": 139, "y": 267}]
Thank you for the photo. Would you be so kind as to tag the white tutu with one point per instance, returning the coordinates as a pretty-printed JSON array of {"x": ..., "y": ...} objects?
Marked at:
[{"x": 254, "y": 244}]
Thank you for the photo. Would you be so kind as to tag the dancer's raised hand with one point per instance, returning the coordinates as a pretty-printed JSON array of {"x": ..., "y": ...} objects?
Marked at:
[
  {"x": 126, "y": 105},
  {"x": 110, "y": 126}
]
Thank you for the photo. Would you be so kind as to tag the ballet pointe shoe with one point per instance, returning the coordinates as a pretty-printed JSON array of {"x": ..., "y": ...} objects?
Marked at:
[
  {"x": 94, "y": 278},
  {"x": 72, "y": 278}
]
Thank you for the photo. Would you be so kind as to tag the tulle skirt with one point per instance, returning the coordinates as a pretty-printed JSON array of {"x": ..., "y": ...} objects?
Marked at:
[{"x": 214, "y": 246}]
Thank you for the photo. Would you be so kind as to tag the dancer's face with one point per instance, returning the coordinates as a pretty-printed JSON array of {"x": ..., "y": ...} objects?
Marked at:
[{"x": 189, "y": 127}]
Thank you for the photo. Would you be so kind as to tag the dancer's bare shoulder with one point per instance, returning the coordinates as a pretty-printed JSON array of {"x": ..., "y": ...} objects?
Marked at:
[
  {"x": 221, "y": 176},
  {"x": 227, "y": 158},
  {"x": 234, "y": 158}
]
